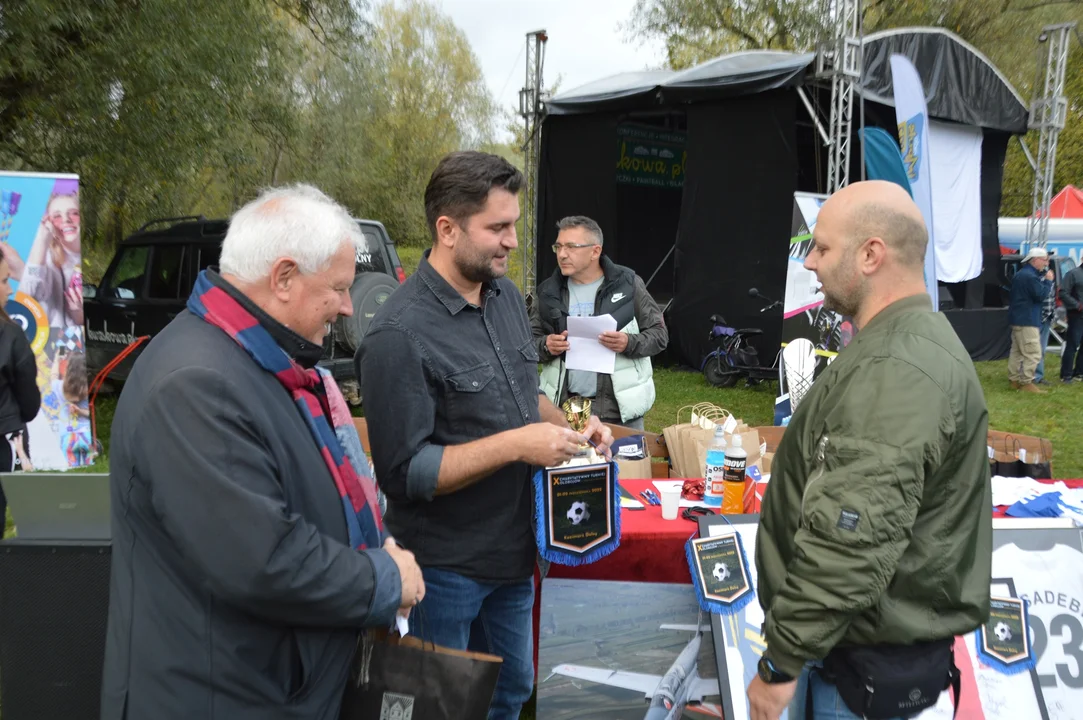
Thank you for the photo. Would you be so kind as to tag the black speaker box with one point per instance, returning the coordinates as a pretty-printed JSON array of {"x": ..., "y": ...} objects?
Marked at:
[{"x": 54, "y": 601}]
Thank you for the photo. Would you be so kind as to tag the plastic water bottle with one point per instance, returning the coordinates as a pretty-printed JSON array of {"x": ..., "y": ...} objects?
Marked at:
[
  {"x": 733, "y": 493},
  {"x": 713, "y": 474}
]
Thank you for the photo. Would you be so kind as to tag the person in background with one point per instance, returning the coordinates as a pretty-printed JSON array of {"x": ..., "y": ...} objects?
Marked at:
[
  {"x": 1049, "y": 310},
  {"x": 20, "y": 398},
  {"x": 1071, "y": 294},
  {"x": 449, "y": 380},
  {"x": 1030, "y": 290},
  {"x": 248, "y": 550},
  {"x": 586, "y": 284},
  {"x": 875, "y": 532}
]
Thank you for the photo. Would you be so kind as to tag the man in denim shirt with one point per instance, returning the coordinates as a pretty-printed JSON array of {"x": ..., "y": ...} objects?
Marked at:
[{"x": 449, "y": 380}]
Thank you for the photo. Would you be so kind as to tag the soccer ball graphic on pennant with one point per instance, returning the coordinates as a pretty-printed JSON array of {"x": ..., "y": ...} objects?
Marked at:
[
  {"x": 579, "y": 512},
  {"x": 721, "y": 572},
  {"x": 1003, "y": 632}
]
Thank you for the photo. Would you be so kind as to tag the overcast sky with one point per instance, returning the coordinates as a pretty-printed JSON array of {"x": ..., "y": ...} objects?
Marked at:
[{"x": 585, "y": 42}]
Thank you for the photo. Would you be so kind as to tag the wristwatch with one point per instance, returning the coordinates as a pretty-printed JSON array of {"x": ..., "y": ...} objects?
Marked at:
[{"x": 770, "y": 674}]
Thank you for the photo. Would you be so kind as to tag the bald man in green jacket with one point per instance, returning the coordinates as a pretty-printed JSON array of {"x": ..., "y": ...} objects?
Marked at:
[{"x": 876, "y": 528}]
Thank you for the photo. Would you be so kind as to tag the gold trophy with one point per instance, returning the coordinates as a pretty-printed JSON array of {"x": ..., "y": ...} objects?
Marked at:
[{"x": 577, "y": 413}]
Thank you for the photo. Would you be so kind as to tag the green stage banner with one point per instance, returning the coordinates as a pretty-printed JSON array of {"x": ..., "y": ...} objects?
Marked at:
[{"x": 650, "y": 157}]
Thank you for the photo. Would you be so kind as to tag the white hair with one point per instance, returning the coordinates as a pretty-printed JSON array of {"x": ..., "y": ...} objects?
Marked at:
[{"x": 298, "y": 222}]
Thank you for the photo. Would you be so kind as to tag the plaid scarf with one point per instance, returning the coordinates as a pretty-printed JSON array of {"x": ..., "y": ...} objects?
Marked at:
[{"x": 359, "y": 500}]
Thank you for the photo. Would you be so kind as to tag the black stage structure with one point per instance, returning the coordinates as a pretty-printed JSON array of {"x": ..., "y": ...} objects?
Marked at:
[{"x": 706, "y": 214}]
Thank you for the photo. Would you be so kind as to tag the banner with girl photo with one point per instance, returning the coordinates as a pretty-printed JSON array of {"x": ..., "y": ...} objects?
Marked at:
[{"x": 40, "y": 245}]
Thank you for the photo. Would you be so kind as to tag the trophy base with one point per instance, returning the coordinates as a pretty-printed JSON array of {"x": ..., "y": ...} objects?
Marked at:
[{"x": 587, "y": 455}]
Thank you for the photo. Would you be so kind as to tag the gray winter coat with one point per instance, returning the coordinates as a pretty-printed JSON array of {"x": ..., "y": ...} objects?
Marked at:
[{"x": 234, "y": 595}]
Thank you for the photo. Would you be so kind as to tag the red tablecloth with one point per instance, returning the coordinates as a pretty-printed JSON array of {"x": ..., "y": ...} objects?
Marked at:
[{"x": 651, "y": 549}]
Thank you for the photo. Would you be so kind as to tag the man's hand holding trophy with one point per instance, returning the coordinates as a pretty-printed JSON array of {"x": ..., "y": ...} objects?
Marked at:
[
  {"x": 577, "y": 413},
  {"x": 578, "y": 500}
]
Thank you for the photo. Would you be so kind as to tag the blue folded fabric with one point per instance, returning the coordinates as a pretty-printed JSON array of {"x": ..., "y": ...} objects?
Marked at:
[
  {"x": 1046, "y": 505},
  {"x": 636, "y": 441}
]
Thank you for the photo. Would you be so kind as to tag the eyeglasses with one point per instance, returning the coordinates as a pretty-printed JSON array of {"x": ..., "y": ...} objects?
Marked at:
[{"x": 571, "y": 246}]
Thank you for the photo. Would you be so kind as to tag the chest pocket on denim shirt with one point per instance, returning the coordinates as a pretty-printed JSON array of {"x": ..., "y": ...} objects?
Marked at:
[
  {"x": 530, "y": 374},
  {"x": 475, "y": 402}
]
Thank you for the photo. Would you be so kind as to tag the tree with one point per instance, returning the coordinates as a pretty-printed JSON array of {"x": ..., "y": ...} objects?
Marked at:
[
  {"x": 430, "y": 99},
  {"x": 698, "y": 30},
  {"x": 1018, "y": 175},
  {"x": 1006, "y": 31},
  {"x": 152, "y": 102}
]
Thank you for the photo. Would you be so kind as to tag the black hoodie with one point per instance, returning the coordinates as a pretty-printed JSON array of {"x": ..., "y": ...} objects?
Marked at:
[{"x": 20, "y": 398}]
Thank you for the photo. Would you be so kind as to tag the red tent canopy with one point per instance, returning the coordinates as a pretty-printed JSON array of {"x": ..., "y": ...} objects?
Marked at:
[{"x": 1068, "y": 203}]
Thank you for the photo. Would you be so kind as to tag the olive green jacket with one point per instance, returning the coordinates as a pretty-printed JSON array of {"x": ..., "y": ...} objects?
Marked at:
[{"x": 876, "y": 524}]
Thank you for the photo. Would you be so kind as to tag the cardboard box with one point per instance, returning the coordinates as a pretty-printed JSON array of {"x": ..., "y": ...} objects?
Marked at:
[
  {"x": 755, "y": 485},
  {"x": 770, "y": 435}
]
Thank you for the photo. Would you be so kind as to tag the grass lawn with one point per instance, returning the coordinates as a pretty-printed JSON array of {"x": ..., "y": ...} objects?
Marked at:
[{"x": 1057, "y": 416}]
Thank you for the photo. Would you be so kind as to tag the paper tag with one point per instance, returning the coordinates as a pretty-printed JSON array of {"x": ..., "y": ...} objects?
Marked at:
[
  {"x": 991, "y": 451},
  {"x": 1023, "y": 454},
  {"x": 730, "y": 425},
  {"x": 402, "y": 625},
  {"x": 763, "y": 448}
]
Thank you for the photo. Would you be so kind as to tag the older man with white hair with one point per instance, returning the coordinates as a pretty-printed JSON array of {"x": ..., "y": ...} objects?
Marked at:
[{"x": 248, "y": 547}]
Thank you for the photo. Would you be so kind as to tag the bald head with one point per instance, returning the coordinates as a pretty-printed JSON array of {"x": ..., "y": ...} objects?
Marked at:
[{"x": 877, "y": 208}]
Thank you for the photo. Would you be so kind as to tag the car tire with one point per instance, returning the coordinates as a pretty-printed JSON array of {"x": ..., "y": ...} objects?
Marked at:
[{"x": 368, "y": 292}]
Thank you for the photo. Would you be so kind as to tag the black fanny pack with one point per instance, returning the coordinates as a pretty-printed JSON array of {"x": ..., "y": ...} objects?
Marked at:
[{"x": 882, "y": 682}]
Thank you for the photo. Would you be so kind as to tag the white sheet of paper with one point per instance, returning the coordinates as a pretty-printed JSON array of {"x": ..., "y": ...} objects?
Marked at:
[
  {"x": 403, "y": 625},
  {"x": 584, "y": 350}
]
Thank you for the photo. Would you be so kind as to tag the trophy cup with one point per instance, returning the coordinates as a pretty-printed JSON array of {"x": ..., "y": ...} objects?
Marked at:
[{"x": 577, "y": 413}]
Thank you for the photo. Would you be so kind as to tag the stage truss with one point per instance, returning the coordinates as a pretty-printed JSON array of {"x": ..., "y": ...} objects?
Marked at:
[
  {"x": 839, "y": 61},
  {"x": 1047, "y": 115},
  {"x": 532, "y": 110}
]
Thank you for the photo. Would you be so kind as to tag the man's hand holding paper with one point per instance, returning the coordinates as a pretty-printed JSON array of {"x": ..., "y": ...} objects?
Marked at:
[{"x": 614, "y": 340}]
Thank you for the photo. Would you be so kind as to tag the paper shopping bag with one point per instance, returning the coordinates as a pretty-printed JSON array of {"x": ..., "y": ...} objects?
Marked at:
[
  {"x": 670, "y": 434},
  {"x": 1009, "y": 458},
  {"x": 694, "y": 441}
]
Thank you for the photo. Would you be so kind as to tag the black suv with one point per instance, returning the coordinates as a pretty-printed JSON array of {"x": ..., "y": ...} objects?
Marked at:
[{"x": 152, "y": 273}]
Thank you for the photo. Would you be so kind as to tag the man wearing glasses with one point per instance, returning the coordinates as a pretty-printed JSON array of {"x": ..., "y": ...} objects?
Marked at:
[{"x": 588, "y": 284}]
